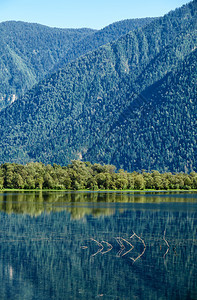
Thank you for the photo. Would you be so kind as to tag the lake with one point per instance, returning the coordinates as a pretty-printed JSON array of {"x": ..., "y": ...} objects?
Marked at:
[{"x": 83, "y": 245}]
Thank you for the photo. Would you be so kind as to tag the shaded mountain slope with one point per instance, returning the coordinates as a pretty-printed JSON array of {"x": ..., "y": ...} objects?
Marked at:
[
  {"x": 73, "y": 113},
  {"x": 158, "y": 130}
]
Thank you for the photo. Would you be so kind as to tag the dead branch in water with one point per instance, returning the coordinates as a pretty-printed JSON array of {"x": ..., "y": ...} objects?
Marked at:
[
  {"x": 166, "y": 244},
  {"x": 134, "y": 234},
  {"x": 118, "y": 239},
  {"x": 99, "y": 244},
  {"x": 165, "y": 239},
  {"x": 129, "y": 249},
  {"x": 109, "y": 245}
]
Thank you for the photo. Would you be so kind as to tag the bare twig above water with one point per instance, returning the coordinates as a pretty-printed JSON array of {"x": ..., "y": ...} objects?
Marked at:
[
  {"x": 119, "y": 241},
  {"x": 99, "y": 244},
  {"x": 109, "y": 245},
  {"x": 122, "y": 247},
  {"x": 134, "y": 260},
  {"x": 166, "y": 243}
]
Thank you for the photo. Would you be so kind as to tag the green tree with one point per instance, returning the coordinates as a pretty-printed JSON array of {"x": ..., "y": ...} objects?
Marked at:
[
  {"x": 17, "y": 181},
  {"x": 1, "y": 179},
  {"x": 139, "y": 182}
]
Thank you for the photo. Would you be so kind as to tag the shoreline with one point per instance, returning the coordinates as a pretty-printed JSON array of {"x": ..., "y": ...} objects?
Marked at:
[{"x": 98, "y": 191}]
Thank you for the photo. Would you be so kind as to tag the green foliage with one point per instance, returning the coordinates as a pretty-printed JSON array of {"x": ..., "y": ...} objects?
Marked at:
[
  {"x": 130, "y": 103},
  {"x": 30, "y": 52},
  {"x": 83, "y": 175},
  {"x": 158, "y": 129},
  {"x": 102, "y": 37}
]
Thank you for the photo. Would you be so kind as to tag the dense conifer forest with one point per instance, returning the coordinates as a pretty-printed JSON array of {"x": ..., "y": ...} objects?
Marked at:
[
  {"x": 84, "y": 175},
  {"x": 130, "y": 103},
  {"x": 29, "y": 52}
]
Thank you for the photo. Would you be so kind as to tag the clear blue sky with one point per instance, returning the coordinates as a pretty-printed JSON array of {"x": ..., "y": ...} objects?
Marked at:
[{"x": 83, "y": 13}]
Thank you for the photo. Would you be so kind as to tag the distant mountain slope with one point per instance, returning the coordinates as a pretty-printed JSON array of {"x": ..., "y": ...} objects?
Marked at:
[
  {"x": 158, "y": 130},
  {"x": 83, "y": 110},
  {"x": 101, "y": 37},
  {"x": 29, "y": 52}
]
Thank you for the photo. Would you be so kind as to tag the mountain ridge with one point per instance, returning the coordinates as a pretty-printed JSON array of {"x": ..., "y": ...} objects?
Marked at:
[
  {"x": 151, "y": 106},
  {"x": 69, "y": 114},
  {"x": 30, "y": 51}
]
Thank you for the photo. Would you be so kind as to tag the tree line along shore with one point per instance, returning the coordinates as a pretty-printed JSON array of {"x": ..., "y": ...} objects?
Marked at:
[{"x": 83, "y": 175}]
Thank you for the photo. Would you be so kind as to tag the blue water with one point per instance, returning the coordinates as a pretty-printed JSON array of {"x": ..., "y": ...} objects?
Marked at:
[{"x": 76, "y": 246}]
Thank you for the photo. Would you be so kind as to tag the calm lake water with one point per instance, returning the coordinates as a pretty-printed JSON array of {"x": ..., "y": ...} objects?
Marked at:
[{"x": 98, "y": 245}]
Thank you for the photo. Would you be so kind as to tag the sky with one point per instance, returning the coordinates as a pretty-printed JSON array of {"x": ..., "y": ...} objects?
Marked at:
[{"x": 83, "y": 13}]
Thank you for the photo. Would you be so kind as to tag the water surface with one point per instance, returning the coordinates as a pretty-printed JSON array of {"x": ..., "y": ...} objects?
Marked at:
[{"x": 98, "y": 245}]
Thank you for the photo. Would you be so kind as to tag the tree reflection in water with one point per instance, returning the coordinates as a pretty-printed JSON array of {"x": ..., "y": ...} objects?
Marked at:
[{"x": 49, "y": 246}]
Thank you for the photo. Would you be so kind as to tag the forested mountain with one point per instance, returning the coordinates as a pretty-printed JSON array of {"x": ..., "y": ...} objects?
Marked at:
[
  {"x": 131, "y": 102},
  {"x": 29, "y": 52},
  {"x": 101, "y": 37},
  {"x": 159, "y": 129}
]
